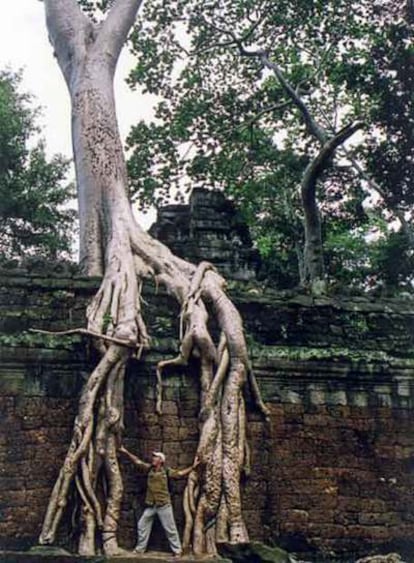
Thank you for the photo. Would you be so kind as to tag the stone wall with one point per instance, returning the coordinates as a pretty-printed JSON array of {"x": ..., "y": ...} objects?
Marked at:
[
  {"x": 331, "y": 473},
  {"x": 209, "y": 228}
]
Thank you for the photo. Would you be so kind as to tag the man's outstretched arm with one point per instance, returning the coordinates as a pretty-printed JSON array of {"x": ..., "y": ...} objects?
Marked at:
[
  {"x": 135, "y": 460},
  {"x": 178, "y": 473}
]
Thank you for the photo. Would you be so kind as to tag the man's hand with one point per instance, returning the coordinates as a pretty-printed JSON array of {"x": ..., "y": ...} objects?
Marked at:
[
  {"x": 197, "y": 462},
  {"x": 135, "y": 460}
]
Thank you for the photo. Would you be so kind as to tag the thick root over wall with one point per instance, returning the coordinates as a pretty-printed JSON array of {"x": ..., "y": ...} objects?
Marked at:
[
  {"x": 112, "y": 242},
  {"x": 212, "y": 502}
]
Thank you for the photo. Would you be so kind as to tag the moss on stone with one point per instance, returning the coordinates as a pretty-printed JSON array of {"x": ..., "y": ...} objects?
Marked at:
[
  {"x": 38, "y": 340},
  {"x": 332, "y": 353}
]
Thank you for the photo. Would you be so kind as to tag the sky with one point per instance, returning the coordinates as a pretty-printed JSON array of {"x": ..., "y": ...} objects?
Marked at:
[{"x": 24, "y": 45}]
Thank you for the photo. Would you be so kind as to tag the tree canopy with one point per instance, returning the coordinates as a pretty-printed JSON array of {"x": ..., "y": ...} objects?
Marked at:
[
  {"x": 34, "y": 194},
  {"x": 251, "y": 91}
]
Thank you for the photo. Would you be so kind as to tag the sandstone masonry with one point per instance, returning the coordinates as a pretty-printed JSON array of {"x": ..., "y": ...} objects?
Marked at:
[{"x": 332, "y": 473}]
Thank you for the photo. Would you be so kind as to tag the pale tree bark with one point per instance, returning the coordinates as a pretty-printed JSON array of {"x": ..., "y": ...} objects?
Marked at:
[
  {"x": 113, "y": 245},
  {"x": 313, "y": 273},
  {"x": 314, "y": 270},
  {"x": 314, "y": 265}
]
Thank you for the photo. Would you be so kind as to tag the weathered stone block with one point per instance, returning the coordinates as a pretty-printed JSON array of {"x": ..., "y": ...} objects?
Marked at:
[{"x": 319, "y": 455}]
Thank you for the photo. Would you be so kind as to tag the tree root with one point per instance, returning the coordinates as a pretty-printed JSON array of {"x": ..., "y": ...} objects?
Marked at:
[
  {"x": 212, "y": 503},
  {"x": 113, "y": 245},
  {"x": 257, "y": 396},
  {"x": 222, "y": 447},
  {"x": 93, "y": 334}
]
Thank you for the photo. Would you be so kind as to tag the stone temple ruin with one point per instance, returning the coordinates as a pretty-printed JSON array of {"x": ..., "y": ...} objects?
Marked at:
[
  {"x": 209, "y": 228},
  {"x": 332, "y": 472}
]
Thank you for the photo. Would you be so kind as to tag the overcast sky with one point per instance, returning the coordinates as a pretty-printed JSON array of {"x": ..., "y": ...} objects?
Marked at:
[{"x": 24, "y": 44}]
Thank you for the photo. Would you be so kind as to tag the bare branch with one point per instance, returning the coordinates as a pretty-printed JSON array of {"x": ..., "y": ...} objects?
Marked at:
[
  {"x": 66, "y": 24},
  {"x": 89, "y": 333},
  {"x": 313, "y": 127},
  {"x": 399, "y": 214},
  {"x": 317, "y": 69},
  {"x": 256, "y": 24},
  {"x": 320, "y": 162},
  {"x": 214, "y": 45},
  {"x": 358, "y": 169},
  {"x": 275, "y": 107},
  {"x": 115, "y": 28},
  {"x": 208, "y": 48}
]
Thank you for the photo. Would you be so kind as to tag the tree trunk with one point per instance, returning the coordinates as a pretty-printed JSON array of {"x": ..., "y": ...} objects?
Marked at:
[
  {"x": 314, "y": 270},
  {"x": 313, "y": 255},
  {"x": 113, "y": 245}
]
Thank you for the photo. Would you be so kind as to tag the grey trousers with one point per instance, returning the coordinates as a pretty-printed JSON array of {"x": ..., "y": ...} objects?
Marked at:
[{"x": 166, "y": 516}]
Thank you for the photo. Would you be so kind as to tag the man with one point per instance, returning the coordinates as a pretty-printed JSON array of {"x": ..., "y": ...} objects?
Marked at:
[{"x": 158, "y": 499}]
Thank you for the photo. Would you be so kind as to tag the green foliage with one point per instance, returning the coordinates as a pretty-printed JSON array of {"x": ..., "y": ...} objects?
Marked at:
[
  {"x": 39, "y": 340},
  {"x": 301, "y": 353},
  {"x": 394, "y": 258},
  {"x": 33, "y": 195},
  {"x": 381, "y": 83},
  {"x": 225, "y": 121}
]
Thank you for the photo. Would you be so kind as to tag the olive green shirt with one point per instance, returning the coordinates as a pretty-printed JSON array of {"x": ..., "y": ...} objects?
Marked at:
[{"x": 158, "y": 493}]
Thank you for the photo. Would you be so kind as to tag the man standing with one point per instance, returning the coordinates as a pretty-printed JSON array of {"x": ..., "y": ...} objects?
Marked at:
[{"x": 158, "y": 499}]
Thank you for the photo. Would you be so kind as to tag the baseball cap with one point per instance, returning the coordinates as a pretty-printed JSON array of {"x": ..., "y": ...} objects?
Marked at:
[{"x": 159, "y": 455}]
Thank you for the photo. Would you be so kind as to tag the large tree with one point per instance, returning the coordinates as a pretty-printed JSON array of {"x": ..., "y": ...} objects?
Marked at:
[
  {"x": 114, "y": 246},
  {"x": 35, "y": 218}
]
